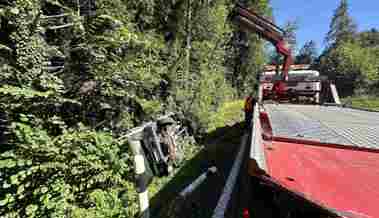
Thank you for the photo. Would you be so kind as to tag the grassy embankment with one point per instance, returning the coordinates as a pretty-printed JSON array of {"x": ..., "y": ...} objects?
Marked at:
[
  {"x": 164, "y": 190},
  {"x": 363, "y": 102},
  {"x": 229, "y": 114}
]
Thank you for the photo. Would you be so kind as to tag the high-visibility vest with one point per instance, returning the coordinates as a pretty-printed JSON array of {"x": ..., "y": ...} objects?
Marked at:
[{"x": 249, "y": 104}]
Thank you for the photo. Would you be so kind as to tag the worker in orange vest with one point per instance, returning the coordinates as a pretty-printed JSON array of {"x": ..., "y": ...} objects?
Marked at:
[{"x": 249, "y": 109}]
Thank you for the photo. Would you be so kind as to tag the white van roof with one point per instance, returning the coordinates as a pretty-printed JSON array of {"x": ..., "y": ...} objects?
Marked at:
[{"x": 294, "y": 72}]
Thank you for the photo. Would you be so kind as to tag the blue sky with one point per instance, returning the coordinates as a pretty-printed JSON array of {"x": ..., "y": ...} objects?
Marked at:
[{"x": 314, "y": 16}]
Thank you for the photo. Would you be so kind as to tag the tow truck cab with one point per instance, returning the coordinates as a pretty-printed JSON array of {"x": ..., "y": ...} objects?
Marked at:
[{"x": 302, "y": 82}]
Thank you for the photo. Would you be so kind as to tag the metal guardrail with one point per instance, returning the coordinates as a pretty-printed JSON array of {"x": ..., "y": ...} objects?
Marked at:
[
  {"x": 223, "y": 202},
  {"x": 256, "y": 152},
  {"x": 197, "y": 182}
]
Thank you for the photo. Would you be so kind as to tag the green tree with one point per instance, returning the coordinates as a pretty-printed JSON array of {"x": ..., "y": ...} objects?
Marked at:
[
  {"x": 358, "y": 66},
  {"x": 307, "y": 54},
  {"x": 342, "y": 26},
  {"x": 74, "y": 77},
  {"x": 290, "y": 28},
  {"x": 350, "y": 56},
  {"x": 245, "y": 56},
  {"x": 369, "y": 38}
]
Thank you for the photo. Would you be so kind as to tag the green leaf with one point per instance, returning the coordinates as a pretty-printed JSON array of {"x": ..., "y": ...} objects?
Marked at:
[
  {"x": 14, "y": 180},
  {"x": 6, "y": 185},
  {"x": 3, "y": 203},
  {"x": 23, "y": 118},
  {"x": 44, "y": 190},
  {"x": 31, "y": 209},
  {"x": 20, "y": 189},
  {"x": 20, "y": 163},
  {"x": 14, "y": 10},
  {"x": 7, "y": 163},
  {"x": 8, "y": 199}
]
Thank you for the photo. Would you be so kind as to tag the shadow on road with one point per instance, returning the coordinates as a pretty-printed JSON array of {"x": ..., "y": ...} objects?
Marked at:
[{"x": 219, "y": 149}]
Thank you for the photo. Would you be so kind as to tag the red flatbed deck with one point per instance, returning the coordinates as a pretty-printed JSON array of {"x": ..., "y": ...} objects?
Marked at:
[
  {"x": 327, "y": 155},
  {"x": 343, "y": 180}
]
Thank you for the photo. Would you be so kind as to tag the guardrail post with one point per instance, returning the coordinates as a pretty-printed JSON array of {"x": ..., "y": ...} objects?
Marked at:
[
  {"x": 335, "y": 93},
  {"x": 260, "y": 93},
  {"x": 141, "y": 181}
]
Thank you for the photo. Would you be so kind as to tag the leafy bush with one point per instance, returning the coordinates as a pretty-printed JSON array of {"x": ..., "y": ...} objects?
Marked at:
[
  {"x": 228, "y": 113},
  {"x": 71, "y": 84},
  {"x": 80, "y": 172},
  {"x": 359, "y": 65}
]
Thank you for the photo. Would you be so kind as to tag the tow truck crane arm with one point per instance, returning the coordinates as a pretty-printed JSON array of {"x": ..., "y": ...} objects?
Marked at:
[{"x": 251, "y": 21}]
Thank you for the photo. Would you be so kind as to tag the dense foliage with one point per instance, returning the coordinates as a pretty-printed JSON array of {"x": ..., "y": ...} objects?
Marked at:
[
  {"x": 75, "y": 75},
  {"x": 245, "y": 55},
  {"x": 351, "y": 57},
  {"x": 342, "y": 26},
  {"x": 307, "y": 54}
]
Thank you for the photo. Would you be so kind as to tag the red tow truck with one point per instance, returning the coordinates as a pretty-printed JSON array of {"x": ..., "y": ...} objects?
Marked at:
[
  {"x": 303, "y": 82},
  {"x": 308, "y": 160}
]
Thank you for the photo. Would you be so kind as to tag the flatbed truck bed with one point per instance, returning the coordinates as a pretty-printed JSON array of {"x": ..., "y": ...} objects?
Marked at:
[{"x": 325, "y": 155}]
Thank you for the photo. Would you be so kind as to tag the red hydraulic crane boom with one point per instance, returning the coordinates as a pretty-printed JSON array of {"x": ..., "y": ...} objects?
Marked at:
[{"x": 251, "y": 21}]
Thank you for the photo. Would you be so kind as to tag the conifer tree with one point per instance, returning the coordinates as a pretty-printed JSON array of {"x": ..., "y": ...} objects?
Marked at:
[
  {"x": 342, "y": 26},
  {"x": 307, "y": 54}
]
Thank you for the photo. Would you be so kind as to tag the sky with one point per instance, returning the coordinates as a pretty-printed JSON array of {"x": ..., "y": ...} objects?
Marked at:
[{"x": 314, "y": 16}]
